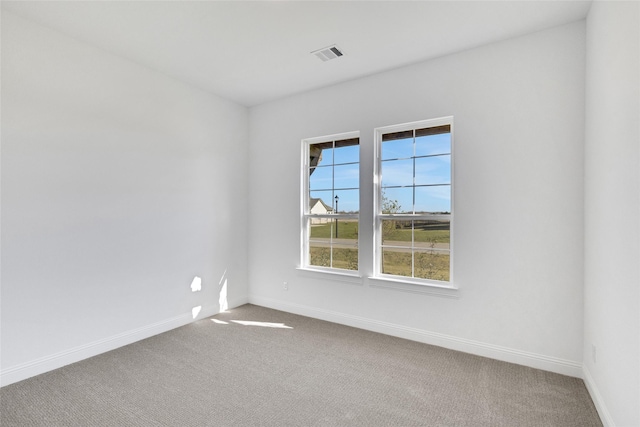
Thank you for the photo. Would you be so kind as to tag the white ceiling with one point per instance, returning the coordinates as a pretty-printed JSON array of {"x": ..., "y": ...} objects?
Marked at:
[{"x": 255, "y": 52}]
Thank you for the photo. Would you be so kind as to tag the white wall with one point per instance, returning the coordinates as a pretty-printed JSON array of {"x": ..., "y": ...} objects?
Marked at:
[
  {"x": 612, "y": 211},
  {"x": 518, "y": 107},
  {"x": 119, "y": 186}
]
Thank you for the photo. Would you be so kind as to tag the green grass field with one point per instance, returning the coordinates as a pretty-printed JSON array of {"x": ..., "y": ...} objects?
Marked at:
[
  {"x": 391, "y": 231},
  {"x": 346, "y": 230},
  {"x": 404, "y": 235}
]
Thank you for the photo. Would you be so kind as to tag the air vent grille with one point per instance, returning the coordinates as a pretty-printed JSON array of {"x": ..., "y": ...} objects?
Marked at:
[{"x": 327, "y": 53}]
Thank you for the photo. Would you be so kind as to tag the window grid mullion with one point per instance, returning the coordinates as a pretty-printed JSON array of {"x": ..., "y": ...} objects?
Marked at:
[{"x": 413, "y": 252}]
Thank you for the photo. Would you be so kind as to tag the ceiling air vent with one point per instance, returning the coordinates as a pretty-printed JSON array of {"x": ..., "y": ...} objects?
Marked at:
[{"x": 327, "y": 53}]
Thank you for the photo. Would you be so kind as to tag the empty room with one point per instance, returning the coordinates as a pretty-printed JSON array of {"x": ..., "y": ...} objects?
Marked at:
[{"x": 301, "y": 213}]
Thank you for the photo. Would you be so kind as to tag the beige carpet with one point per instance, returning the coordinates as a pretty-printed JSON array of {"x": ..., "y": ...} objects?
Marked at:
[{"x": 279, "y": 369}]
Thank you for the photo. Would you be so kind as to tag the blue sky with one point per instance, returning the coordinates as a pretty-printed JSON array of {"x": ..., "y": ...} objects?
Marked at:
[{"x": 397, "y": 170}]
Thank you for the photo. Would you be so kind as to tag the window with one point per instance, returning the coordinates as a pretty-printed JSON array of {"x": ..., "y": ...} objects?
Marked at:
[
  {"x": 413, "y": 201},
  {"x": 331, "y": 202}
]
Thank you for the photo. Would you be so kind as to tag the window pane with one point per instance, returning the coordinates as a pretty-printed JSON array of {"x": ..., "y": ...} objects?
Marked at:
[
  {"x": 436, "y": 199},
  {"x": 326, "y": 228},
  {"x": 348, "y": 201},
  {"x": 397, "y": 200},
  {"x": 396, "y": 261},
  {"x": 346, "y": 231},
  {"x": 397, "y": 149},
  {"x": 433, "y": 170},
  {"x": 432, "y": 265},
  {"x": 346, "y": 154},
  {"x": 346, "y": 176},
  {"x": 321, "y": 230},
  {"x": 396, "y": 232},
  {"x": 321, "y": 178},
  {"x": 345, "y": 257},
  {"x": 320, "y": 202},
  {"x": 397, "y": 172},
  {"x": 316, "y": 152},
  {"x": 433, "y": 144},
  {"x": 405, "y": 134},
  {"x": 433, "y": 130},
  {"x": 326, "y": 156},
  {"x": 430, "y": 234},
  {"x": 319, "y": 255}
]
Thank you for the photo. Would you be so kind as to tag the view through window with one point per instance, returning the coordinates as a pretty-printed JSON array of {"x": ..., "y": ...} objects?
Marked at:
[
  {"x": 332, "y": 198},
  {"x": 413, "y": 198}
]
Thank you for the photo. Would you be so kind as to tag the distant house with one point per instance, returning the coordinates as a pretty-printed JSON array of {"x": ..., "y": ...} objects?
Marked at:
[{"x": 317, "y": 206}]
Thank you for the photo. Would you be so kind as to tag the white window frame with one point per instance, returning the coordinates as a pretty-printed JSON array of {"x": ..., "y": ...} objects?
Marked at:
[
  {"x": 379, "y": 216},
  {"x": 306, "y": 215}
]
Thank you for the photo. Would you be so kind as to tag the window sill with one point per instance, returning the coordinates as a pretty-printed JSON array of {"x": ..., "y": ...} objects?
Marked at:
[
  {"x": 407, "y": 285},
  {"x": 336, "y": 275}
]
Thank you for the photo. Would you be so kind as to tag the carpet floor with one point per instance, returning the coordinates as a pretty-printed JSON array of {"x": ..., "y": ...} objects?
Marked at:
[{"x": 254, "y": 366}]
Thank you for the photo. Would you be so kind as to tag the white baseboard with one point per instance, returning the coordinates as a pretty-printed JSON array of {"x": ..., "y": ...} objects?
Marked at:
[
  {"x": 54, "y": 361},
  {"x": 605, "y": 416},
  {"x": 533, "y": 360}
]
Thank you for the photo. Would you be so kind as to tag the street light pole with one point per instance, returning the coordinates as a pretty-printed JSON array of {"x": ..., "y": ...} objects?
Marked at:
[{"x": 336, "y": 212}]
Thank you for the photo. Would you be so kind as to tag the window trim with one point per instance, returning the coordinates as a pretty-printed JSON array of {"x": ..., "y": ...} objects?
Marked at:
[
  {"x": 378, "y": 216},
  {"x": 304, "y": 207}
]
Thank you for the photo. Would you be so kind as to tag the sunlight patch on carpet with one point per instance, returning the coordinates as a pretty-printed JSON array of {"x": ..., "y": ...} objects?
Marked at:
[{"x": 262, "y": 324}]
